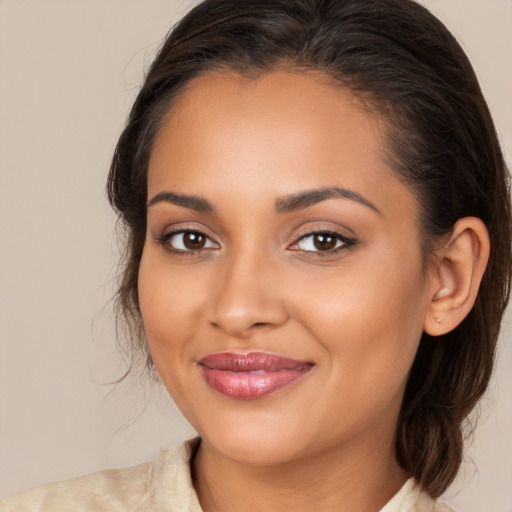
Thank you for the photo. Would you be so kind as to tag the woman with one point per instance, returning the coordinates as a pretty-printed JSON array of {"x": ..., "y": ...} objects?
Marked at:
[{"x": 318, "y": 259}]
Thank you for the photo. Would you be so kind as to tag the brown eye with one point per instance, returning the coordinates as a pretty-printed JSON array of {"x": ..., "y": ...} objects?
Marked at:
[
  {"x": 194, "y": 241},
  {"x": 187, "y": 241},
  {"x": 324, "y": 242}
]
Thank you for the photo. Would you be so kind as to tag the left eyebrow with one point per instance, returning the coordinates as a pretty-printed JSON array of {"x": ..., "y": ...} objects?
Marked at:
[{"x": 307, "y": 198}]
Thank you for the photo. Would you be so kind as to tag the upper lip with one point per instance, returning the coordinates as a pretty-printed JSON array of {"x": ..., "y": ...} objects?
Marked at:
[{"x": 254, "y": 361}]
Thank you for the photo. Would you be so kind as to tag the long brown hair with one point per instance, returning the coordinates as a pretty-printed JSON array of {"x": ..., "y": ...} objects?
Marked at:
[{"x": 441, "y": 141}]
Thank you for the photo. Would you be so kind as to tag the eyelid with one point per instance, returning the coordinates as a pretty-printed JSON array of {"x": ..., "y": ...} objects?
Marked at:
[{"x": 180, "y": 227}]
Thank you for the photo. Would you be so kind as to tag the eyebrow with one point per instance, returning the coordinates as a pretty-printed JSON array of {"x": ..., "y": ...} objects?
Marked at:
[
  {"x": 302, "y": 200},
  {"x": 285, "y": 204},
  {"x": 195, "y": 203}
]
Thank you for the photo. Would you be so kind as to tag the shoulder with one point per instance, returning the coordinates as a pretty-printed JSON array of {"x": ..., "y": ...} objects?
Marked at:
[
  {"x": 153, "y": 486},
  {"x": 108, "y": 490},
  {"x": 411, "y": 498},
  {"x": 426, "y": 504}
]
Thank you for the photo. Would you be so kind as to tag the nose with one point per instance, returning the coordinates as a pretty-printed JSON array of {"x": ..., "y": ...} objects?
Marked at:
[{"x": 247, "y": 297}]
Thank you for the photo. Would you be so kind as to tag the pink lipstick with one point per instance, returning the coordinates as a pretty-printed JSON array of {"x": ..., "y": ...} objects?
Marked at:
[{"x": 250, "y": 376}]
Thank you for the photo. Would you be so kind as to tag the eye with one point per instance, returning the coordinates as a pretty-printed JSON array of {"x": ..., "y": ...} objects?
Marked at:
[
  {"x": 322, "y": 241},
  {"x": 187, "y": 241}
]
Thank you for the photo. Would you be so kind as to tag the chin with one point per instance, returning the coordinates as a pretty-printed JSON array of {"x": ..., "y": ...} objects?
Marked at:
[
  {"x": 254, "y": 442},
  {"x": 245, "y": 450}
]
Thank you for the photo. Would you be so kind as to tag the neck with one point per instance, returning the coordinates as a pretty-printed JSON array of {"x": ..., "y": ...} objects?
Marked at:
[{"x": 344, "y": 479}]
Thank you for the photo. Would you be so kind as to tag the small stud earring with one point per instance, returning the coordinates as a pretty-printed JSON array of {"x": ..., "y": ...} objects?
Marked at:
[{"x": 438, "y": 320}]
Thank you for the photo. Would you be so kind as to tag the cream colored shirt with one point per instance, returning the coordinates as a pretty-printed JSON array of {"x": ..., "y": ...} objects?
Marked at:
[{"x": 164, "y": 485}]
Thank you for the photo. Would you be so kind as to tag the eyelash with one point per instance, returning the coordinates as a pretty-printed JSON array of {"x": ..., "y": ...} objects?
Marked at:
[
  {"x": 346, "y": 243},
  {"x": 164, "y": 239}
]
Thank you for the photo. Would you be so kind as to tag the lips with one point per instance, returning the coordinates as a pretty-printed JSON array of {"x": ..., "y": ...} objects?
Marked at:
[{"x": 250, "y": 376}]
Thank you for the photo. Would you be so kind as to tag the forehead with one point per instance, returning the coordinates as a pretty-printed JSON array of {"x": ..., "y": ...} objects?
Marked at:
[{"x": 275, "y": 134}]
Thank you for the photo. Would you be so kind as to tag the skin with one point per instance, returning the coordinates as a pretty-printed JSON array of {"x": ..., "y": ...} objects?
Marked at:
[{"x": 325, "y": 442}]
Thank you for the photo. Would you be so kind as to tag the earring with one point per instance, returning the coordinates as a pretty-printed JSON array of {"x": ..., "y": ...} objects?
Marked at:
[{"x": 438, "y": 320}]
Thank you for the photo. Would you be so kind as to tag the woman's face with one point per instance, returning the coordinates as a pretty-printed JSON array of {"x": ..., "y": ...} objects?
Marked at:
[{"x": 275, "y": 229}]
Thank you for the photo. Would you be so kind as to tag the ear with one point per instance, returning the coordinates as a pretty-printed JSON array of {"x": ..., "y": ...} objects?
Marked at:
[{"x": 456, "y": 275}]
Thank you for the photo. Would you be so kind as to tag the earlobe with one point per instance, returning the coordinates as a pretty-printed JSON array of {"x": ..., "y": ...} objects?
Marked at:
[{"x": 456, "y": 276}]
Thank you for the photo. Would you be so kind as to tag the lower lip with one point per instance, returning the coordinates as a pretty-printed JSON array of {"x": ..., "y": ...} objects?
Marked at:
[{"x": 247, "y": 385}]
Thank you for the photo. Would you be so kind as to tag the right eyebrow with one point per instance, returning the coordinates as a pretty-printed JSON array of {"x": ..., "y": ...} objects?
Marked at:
[{"x": 195, "y": 203}]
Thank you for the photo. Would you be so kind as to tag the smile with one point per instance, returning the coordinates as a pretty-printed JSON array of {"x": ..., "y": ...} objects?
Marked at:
[{"x": 250, "y": 376}]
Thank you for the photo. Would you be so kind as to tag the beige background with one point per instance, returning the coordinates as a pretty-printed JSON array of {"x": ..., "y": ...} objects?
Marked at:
[{"x": 69, "y": 71}]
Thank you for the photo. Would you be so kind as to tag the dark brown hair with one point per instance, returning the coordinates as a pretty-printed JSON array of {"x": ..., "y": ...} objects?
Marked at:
[{"x": 441, "y": 142}]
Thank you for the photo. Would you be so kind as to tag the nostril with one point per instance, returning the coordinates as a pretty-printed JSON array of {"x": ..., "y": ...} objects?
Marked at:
[{"x": 260, "y": 325}]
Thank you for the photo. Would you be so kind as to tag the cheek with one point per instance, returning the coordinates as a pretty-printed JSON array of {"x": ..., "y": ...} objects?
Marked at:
[
  {"x": 368, "y": 317},
  {"x": 170, "y": 302}
]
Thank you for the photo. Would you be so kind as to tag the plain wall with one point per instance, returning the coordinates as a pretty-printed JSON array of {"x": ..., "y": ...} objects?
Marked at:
[{"x": 69, "y": 71}]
